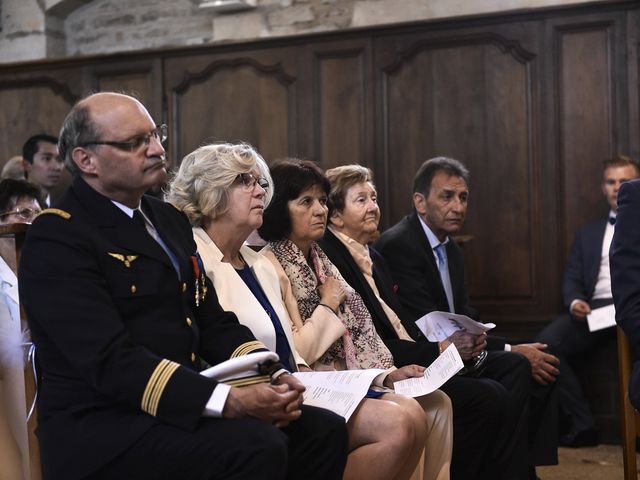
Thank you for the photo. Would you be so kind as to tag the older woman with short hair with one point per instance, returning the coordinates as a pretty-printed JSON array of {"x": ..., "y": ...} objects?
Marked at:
[
  {"x": 294, "y": 221},
  {"x": 224, "y": 189}
]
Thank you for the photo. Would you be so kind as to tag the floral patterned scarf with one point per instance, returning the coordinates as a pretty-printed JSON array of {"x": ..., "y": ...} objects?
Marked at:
[{"x": 360, "y": 347}]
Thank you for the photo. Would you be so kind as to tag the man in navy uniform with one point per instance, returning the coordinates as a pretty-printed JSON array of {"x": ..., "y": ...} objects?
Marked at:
[{"x": 123, "y": 319}]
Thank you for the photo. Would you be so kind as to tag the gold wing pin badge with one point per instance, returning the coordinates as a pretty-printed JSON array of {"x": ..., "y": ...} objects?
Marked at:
[{"x": 126, "y": 259}]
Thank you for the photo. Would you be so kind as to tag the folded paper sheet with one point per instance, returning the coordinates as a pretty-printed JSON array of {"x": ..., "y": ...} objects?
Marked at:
[
  {"x": 338, "y": 391},
  {"x": 438, "y": 326},
  {"x": 243, "y": 370},
  {"x": 601, "y": 318},
  {"x": 442, "y": 369}
]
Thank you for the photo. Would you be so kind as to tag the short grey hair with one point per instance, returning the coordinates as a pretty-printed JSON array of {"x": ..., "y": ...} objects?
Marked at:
[
  {"x": 200, "y": 187},
  {"x": 77, "y": 130},
  {"x": 342, "y": 178}
]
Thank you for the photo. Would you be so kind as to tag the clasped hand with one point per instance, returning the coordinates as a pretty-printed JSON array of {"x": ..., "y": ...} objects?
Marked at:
[
  {"x": 278, "y": 404},
  {"x": 468, "y": 345}
]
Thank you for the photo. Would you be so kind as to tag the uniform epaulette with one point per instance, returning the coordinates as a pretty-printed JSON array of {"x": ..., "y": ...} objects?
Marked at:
[{"x": 56, "y": 211}]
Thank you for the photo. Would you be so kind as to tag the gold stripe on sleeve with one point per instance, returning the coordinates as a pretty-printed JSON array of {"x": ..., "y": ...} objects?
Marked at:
[
  {"x": 162, "y": 383},
  {"x": 243, "y": 382},
  {"x": 156, "y": 384},
  {"x": 248, "y": 347}
]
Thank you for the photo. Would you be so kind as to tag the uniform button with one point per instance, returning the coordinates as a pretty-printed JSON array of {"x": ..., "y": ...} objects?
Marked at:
[
  {"x": 184, "y": 286},
  {"x": 134, "y": 289},
  {"x": 189, "y": 321},
  {"x": 193, "y": 357}
]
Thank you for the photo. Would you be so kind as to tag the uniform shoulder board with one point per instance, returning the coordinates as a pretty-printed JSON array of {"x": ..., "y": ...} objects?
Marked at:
[{"x": 56, "y": 211}]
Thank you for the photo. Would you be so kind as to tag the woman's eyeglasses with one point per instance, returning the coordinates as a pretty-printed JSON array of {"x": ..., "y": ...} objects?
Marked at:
[
  {"x": 249, "y": 180},
  {"x": 26, "y": 214}
]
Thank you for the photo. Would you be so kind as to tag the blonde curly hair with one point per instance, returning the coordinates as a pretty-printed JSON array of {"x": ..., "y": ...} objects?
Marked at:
[{"x": 200, "y": 187}]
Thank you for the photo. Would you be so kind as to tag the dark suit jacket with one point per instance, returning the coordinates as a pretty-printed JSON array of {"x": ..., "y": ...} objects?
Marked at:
[
  {"x": 406, "y": 249},
  {"x": 404, "y": 352},
  {"x": 581, "y": 274},
  {"x": 118, "y": 334},
  {"x": 625, "y": 275}
]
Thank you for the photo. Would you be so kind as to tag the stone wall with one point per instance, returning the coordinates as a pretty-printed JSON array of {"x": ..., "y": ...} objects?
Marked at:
[
  {"x": 106, "y": 26},
  {"x": 37, "y": 29}
]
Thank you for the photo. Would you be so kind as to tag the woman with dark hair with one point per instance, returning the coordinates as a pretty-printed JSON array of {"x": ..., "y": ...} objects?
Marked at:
[
  {"x": 293, "y": 222},
  {"x": 224, "y": 189},
  {"x": 20, "y": 201}
]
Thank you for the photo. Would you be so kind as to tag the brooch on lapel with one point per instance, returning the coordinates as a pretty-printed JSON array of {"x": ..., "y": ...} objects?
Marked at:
[
  {"x": 199, "y": 279},
  {"x": 126, "y": 259}
]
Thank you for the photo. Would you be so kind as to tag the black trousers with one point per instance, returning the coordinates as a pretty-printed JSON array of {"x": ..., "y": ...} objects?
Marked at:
[
  {"x": 478, "y": 411},
  {"x": 313, "y": 447},
  {"x": 567, "y": 339},
  {"x": 529, "y": 432},
  {"x": 503, "y": 422}
]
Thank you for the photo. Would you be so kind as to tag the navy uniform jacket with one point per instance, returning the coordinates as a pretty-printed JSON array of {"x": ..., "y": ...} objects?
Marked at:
[
  {"x": 404, "y": 352},
  {"x": 582, "y": 271},
  {"x": 625, "y": 275},
  {"x": 406, "y": 249},
  {"x": 118, "y": 334}
]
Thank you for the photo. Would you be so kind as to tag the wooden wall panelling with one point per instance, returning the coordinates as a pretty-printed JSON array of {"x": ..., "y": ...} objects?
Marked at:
[
  {"x": 248, "y": 96},
  {"x": 342, "y": 106},
  {"x": 633, "y": 81},
  {"x": 34, "y": 101},
  {"x": 587, "y": 76},
  {"x": 469, "y": 95},
  {"x": 139, "y": 77}
]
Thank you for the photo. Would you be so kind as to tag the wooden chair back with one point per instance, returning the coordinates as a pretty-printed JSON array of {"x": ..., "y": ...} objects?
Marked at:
[{"x": 630, "y": 417}]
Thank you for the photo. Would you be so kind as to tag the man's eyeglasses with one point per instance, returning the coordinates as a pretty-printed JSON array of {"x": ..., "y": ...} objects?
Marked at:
[
  {"x": 159, "y": 133},
  {"x": 249, "y": 180},
  {"x": 26, "y": 214}
]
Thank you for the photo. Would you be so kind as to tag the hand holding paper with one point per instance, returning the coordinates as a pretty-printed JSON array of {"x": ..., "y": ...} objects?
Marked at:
[
  {"x": 338, "y": 391},
  {"x": 442, "y": 369},
  {"x": 408, "y": 371},
  {"x": 438, "y": 326}
]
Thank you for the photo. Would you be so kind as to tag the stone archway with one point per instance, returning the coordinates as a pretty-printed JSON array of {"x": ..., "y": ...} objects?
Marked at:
[{"x": 62, "y": 8}]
